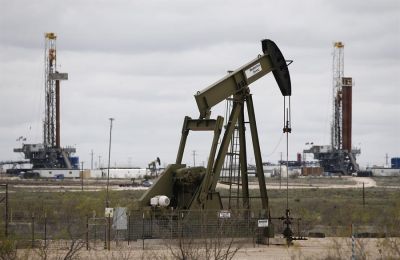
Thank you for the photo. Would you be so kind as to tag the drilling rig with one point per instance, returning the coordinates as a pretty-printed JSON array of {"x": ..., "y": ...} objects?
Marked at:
[
  {"x": 50, "y": 154},
  {"x": 339, "y": 157}
]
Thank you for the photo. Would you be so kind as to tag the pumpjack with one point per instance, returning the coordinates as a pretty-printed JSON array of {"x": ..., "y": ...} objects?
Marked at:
[{"x": 191, "y": 188}]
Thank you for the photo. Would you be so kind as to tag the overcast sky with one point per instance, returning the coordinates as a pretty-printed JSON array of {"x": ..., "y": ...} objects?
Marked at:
[{"x": 141, "y": 62}]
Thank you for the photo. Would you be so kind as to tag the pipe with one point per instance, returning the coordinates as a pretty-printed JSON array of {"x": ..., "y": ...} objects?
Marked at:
[
  {"x": 347, "y": 114},
  {"x": 58, "y": 114}
]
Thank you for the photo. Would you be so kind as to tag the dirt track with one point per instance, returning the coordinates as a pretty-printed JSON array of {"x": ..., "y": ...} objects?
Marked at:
[
  {"x": 368, "y": 183},
  {"x": 345, "y": 182}
]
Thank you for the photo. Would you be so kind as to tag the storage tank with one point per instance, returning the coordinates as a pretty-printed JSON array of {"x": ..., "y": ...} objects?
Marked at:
[
  {"x": 74, "y": 162},
  {"x": 163, "y": 201},
  {"x": 395, "y": 162},
  {"x": 154, "y": 201},
  {"x": 160, "y": 200}
]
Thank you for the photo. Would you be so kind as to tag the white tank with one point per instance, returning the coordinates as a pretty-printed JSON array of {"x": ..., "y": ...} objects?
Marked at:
[
  {"x": 154, "y": 201},
  {"x": 160, "y": 200},
  {"x": 163, "y": 201}
]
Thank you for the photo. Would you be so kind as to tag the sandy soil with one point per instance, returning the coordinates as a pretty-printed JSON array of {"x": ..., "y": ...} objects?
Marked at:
[{"x": 314, "y": 248}]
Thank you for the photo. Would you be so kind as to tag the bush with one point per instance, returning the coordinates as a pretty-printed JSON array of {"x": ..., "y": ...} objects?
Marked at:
[{"x": 8, "y": 249}]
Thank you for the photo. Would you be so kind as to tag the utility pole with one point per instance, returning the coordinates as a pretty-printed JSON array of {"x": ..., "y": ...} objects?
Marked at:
[
  {"x": 82, "y": 176},
  {"x": 194, "y": 158},
  {"x": 108, "y": 183},
  {"x": 91, "y": 163},
  {"x": 109, "y": 157},
  {"x": 99, "y": 161},
  {"x": 387, "y": 160},
  {"x": 280, "y": 172}
]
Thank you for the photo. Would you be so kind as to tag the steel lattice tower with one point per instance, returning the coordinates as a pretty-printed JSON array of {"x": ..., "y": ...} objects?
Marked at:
[
  {"x": 337, "y": 117},
  {"x": 49, "y": 124},
  {"x": 340, "y": 157},
  {"x": 50, "y": 154}
]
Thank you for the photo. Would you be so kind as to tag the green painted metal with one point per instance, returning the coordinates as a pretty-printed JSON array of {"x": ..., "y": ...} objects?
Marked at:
[
  {"x": 231, "y": 84},
  {"x": 257, "y": 153},
  {"x": 194, "y": 188},
  {"x": 219, "y": 161},
  {"x": 163, "y": 185},
  {"x": 243, "y": 160}
]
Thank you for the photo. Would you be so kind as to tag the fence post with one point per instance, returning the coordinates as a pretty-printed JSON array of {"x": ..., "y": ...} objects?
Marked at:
[
  {"x": 87, "y": 232},
  {"x": 143, "y": 230},
  {"x": 170, "y": 221},
  {"x": 105, "y": 233},
  {"x": 202, "y": 235},
  {"x": 129, "y": 226},
  {"x": 95, "y": 232},
  {"x": 45, "y": 229},
  {"x": 179, "y": 233},
  {"x": 33, "y": 230},
  {"x": 109, "y": 233},
  {"x": 6, "y": 224},
  {"x": 248, "y": 222},
  {"x": 353, "y": 253},
  {"x": 151, "y": 222}
]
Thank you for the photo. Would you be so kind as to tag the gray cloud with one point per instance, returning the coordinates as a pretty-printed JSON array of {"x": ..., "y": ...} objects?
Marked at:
[{"x": 142, "y": 61}]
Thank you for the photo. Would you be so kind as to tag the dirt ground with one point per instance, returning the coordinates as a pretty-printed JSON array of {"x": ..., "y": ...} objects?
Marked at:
[
  {"x": 313, "y": 248},
  {"x": 98, "y": 185},
  {"x": 358, "y": 183}
]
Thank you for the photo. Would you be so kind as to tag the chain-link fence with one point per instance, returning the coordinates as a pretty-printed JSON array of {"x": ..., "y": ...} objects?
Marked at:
[
  {"x": 33, "y": 230},
  {"x": 155, "y": 227}
]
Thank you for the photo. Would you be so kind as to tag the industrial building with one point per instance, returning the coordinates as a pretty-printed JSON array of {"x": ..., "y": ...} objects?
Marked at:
[
  {"x": 389, "y": 170},
  {"x": 121, "y": 173}
]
